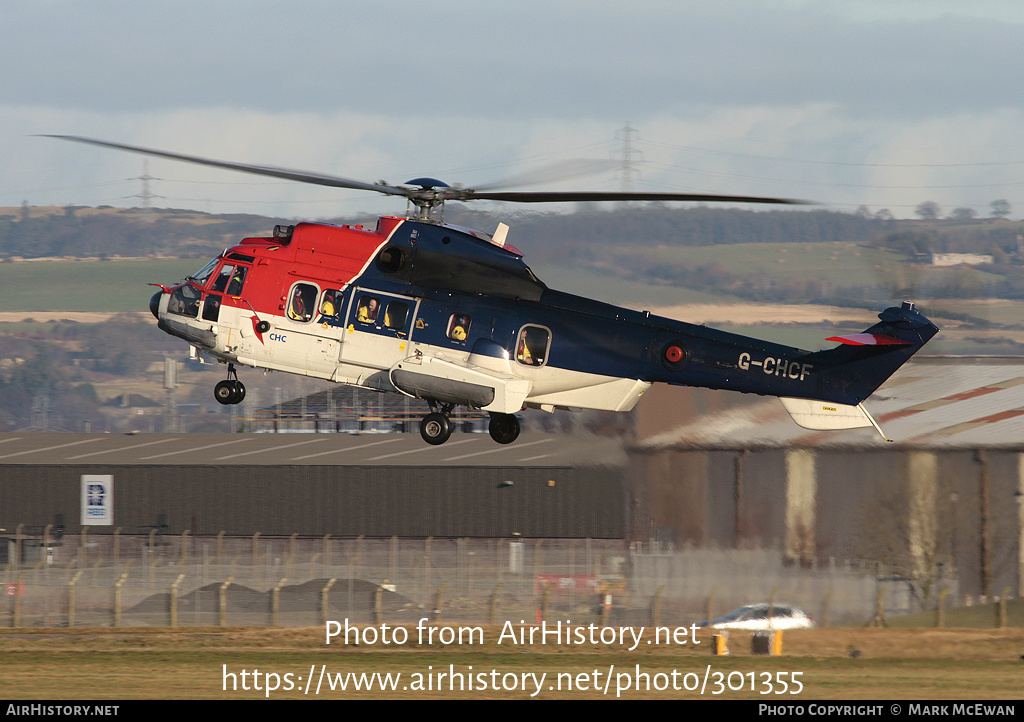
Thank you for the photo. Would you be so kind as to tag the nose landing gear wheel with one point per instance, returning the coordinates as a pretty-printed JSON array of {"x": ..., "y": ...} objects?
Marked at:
[
  {"x": 503, "y": 428},
  {"x": 435, "y": 428}
]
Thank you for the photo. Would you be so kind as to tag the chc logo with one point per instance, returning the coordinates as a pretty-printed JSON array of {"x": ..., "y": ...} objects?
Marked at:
[
  {"x": 278, "y": 337},
  {"x": 95, "y": 495}
]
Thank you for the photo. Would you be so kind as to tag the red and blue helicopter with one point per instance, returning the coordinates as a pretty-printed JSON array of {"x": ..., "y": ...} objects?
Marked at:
[{"x": 455, "y": 317}]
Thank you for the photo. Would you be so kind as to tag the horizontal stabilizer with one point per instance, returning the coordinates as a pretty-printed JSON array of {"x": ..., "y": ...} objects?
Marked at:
[
  {"x": 868, "y": 339},
  {"x": 828, "y": 416}
]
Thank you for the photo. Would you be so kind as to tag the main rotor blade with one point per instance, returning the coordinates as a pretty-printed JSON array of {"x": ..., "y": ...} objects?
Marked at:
[
  {"x": 563, "y": 170},
  {"x": 595, "y": 196},
  {"x": 295, "y": 175}
]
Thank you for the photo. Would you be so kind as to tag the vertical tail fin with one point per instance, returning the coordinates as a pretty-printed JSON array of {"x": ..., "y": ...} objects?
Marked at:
[
  {"x": 862, "y": 362},
  {"x": 859, "y": 365}
]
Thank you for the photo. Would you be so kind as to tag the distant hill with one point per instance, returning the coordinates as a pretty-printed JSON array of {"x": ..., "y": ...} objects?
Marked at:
[
  {"x": 35, "y": 231},
  {"x": 793, "y": 256}
]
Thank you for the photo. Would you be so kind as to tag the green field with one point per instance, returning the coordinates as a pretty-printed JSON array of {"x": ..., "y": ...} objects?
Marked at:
[
  {"x": 88, "y": 285},
  {"x": 610, "y": 289},
  {"x": 121, "y": 285}
]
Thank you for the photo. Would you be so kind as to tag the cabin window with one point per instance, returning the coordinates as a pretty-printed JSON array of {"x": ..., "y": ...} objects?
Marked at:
[
  {"x": 396, "y": 315},
  {"x": 230, "y": 280},
  {"x": 301, "y": 302},
  {"x": 458, "y": 326},
  {"x": 532, "y": 346},
  {"x": 367, "y": 309},
  {"x": 211, "y": 307},
  {"x": 330, "y": 306},
  {"x": 184, "y": 301}
]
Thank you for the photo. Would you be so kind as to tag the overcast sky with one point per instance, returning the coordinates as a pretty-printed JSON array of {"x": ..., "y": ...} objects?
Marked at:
[{"x": 847, "y": 102}]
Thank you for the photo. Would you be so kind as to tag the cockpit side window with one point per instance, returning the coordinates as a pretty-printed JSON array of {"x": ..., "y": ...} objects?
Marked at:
[{"x": 229, "y": 280}]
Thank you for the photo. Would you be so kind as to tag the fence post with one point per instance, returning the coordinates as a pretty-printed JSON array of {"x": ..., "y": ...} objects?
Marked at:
[
  {"x": 826, "y": 607},
  {"x": 426, "y": 562},
  {"x": 711, "y": 606},
  {"x": 1002, "y": 607},
  {"x": 184, "y": 547},
  {"x": 378, "y": 602},
  {"x": 324, "y": 606},
  {"x": 275, "y": 601},
  {"x": 656, "y": 606},
  {"x": 46, "y": 545},
  {"x": 17, "y": 547},
  {"x": 152, "y": 554},
  {"x": 71, "y": 598},
  {"x": 879, "y": 620},
  {"x": 392, "y": 557},
  {"x": 255, "y": 547},
  {"x": 223, "y": 601},
  {"x": 17, "y": 599},
  {"x": 494, "y": 603},
  {"x": 174, "y": 600},
  {"x": 437, "y": 602},
  {"x": 117, "y": 598}
]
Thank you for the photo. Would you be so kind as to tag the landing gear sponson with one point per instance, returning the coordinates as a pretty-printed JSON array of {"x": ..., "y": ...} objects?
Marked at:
[
  {"x": 436, "y": 427},
  {"x": 231, "y": 390}
]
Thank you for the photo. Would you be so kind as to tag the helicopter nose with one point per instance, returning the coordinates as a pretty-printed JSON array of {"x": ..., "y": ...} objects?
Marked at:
[{"x": 154, "y": 304}]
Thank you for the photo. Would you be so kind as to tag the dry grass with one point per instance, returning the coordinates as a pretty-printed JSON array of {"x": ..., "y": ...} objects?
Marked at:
[{"x": 888, "y": 664}]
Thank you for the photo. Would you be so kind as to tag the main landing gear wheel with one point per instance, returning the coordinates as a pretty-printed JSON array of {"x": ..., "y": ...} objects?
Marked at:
[
  {"x": 503, "y": 428},
  {"x": 231, "y": 390},
  {"x": 435, "y": 428}
]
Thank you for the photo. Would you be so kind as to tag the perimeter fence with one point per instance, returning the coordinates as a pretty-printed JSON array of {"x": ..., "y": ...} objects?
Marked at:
[{"x": 129, "y": 580}]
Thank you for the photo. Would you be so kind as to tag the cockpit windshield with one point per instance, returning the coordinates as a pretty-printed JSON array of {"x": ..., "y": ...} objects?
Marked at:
[{"x": 201, "y": 277}]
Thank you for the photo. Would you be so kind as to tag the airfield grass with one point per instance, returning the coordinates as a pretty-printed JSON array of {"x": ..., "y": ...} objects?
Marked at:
[
  {"x": 88, "y": 285},
  {"x": 840, "y": 264},
  {"x": 889, "y": 664}
]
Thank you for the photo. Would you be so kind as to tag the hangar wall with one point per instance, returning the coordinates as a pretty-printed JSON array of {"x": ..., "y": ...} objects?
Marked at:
[
  {"x": 378, "y": 501},
  {"x": 923, "y": 514}
]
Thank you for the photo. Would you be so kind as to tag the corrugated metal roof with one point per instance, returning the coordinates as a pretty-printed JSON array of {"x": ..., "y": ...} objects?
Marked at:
[
  {"x": 531, "y": 449},
  {"x": 931, "y": 402}
]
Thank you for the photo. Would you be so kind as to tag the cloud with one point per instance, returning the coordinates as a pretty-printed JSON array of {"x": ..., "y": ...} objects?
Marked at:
[{"x": 850, "y": 103}]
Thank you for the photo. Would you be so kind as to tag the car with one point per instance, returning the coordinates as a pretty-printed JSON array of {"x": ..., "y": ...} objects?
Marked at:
[{"x": 756, "y": 616}]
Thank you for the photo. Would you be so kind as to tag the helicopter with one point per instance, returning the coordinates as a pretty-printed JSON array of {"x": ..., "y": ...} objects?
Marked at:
[{"x": 455, "y": 317}]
